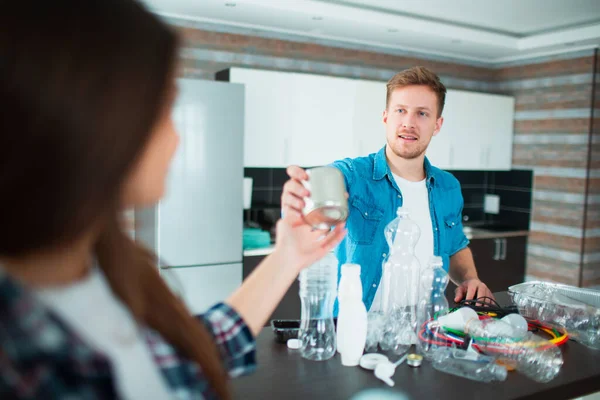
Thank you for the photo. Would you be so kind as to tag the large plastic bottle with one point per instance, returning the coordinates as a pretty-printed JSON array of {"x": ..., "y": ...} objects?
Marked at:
[
  {"x": 317, "y": 294},
  {"x": 458, "y": 362},
  {"x": 352, "y": 318},
  {"x": 401, "y": 292},
  {"x": 532, "y": 356},
  {"x": 432, "y": 305}
]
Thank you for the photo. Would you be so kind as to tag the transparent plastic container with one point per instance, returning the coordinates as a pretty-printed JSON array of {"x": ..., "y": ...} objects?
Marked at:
[
  {"x": 317, "y": 294},
  {"x": 375, "y": 321},
  {"x": 467, "y": 365},
  {"x": 432, "y": 305},
  {"x": 533, "y": 356},
  {"x": 575, "y": 309},
  {"x": 401, "y": 289}
]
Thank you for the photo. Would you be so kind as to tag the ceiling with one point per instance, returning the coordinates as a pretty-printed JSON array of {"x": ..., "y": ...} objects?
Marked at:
[{"x": 485, "y": 31}]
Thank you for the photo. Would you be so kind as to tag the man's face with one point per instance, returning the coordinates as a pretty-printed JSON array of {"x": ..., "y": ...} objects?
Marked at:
[{"x": 411, "y": 120}]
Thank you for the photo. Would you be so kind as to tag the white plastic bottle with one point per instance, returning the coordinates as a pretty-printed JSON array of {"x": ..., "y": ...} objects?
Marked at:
[{"x": 352, "y": 317}]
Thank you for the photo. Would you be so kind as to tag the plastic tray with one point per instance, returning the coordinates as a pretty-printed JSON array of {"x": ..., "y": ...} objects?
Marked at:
[
  {"x": 285, "y": 329},
  {"x": 575, "y": 309},
  {"x": 587, "y": 296}
]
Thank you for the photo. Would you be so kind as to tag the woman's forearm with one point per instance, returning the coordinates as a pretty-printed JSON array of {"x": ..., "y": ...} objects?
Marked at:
[{"x": 260, "y": 293}]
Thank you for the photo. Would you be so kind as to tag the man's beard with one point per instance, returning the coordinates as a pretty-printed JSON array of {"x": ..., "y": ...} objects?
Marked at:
[{"x": 408, "y": 154}]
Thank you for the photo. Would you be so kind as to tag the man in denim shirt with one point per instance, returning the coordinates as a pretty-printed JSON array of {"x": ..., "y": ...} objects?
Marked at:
[{"x": 400, "y": 175}]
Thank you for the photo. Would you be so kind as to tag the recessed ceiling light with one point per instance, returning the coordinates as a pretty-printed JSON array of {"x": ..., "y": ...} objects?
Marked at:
[
  {"x": 317, "y": 18},
  {"x": 230, "y": 4},
  {"x": 392, "y": 30}
]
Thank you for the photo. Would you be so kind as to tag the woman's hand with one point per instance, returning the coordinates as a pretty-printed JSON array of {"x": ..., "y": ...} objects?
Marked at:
[
  {"x": 301, "y": 245},
  {"x": 297, "y": 247}
]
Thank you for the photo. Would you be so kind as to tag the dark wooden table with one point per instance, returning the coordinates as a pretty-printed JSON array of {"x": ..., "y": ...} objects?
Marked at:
[{"x": 284, "y": 374}]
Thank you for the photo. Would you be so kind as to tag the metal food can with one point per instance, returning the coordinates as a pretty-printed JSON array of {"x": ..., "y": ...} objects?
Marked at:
[
  {"x": 414, "y": 360},
  {"x": 327, "y": 204}
]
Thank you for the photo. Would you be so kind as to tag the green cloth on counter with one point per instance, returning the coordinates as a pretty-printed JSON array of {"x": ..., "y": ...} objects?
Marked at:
[{"x": 255, "y": 238}]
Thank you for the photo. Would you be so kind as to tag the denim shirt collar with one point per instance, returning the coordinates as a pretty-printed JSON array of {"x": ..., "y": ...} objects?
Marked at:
[{"x": 381, "y": 168}]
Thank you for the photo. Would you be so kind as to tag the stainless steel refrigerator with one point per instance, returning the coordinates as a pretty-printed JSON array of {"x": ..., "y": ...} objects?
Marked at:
[{"x": 196, "y": 229}]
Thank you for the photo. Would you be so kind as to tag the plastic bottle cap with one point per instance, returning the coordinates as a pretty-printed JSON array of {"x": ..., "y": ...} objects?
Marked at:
[
  {"x": 370, "y": 360},
  {"x": 293, "y": 344}
]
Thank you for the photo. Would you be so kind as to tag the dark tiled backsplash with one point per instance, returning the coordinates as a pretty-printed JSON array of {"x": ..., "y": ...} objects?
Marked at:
[
  {"x": 514, "y": 188},
  {"x": 267, "y": 185}
]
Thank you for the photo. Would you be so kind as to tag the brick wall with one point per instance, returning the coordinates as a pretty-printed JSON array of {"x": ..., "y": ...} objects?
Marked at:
[
  {"x": 552, "y": 137},
  {"x": 553, "y": 124},
  {"x": 590, "y": 273}
]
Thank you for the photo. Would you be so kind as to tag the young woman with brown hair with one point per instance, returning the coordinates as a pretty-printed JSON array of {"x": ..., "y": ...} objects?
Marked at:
[{"x": 86, "y": 89}]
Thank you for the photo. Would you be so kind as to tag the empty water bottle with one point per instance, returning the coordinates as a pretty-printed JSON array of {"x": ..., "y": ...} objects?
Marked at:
[
  {"x": 432, "y": 305},
  {"x": 317, "y": 294},
  {"x": 534, "y": 357},
  {"x": 467, "y": 365},
  {"x": 401, "y": 292}
]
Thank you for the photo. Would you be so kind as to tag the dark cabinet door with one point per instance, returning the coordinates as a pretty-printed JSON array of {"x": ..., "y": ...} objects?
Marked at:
[
  {"x": 289, "y": 307},
  {"x": 500, "y": 263},
  {"x": 514, "y": 258}
]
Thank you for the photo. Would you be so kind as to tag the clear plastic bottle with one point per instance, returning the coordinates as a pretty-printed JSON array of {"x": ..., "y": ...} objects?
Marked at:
[
  {"x": 352, "y": 319},
  {"x": 477, "y": 368},
  {"x": 317, "y": 294},
  {"x": 432, "y": 305},
  {"x": 540, "y": 363},
  {"x": 401, "y": 289},
  {"x": 534, "y": 357}
]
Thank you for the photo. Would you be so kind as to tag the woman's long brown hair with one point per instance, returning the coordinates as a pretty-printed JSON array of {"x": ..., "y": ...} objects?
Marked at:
[{"x": 81, "y": 86}]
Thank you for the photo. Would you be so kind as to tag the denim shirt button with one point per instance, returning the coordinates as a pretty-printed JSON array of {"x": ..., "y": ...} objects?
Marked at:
[
  {"x": 383, "y": 255},
  {"x": 366, "y": 214},
  {"x": 374, "y": 285}
]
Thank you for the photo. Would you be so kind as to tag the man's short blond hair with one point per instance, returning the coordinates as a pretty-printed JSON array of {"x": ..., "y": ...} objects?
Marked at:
[{"x": 418, "y": 76}]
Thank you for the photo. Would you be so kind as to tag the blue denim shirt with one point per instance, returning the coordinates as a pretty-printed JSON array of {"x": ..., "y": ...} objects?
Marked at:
[{"x": 374, "y": 199}]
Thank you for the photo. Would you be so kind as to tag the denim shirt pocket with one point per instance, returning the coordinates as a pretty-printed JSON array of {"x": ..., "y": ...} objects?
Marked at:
[
  {"x": 363, "y": 221},
  {"x": 451, "y": 227}
]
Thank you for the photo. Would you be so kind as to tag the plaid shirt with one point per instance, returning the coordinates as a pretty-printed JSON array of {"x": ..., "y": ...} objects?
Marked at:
[{"x": 41, "y": 357}]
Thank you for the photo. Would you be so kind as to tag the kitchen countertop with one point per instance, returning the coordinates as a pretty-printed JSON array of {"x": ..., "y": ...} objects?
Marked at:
[
  {"x": 283, "y": 373},
  {"x": 482, "y": 233},
  {"x": 472, "y": 233},
  {"x": 263, "y": 251}
]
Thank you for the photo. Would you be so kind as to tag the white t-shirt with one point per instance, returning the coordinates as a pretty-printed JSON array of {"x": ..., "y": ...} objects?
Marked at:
[
  {"x": 416, "y": 201},
  {"x": 103, "y": 322}
]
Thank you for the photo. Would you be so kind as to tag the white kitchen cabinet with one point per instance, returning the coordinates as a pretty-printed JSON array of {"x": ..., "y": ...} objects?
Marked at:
[
  {"x": 499, "y": 132},
  {"x": 477, "y": 133},
  {"x": 311, "y": 120},
  {"x": 266, "y": 116},
  {"x": 367, "y": 124},
  {"x": 202, "y": 287},
  {"x": 294, "y": 118},
  {"x": 439, "y": 151},
  {"x": 321, "y": 111},
  {"x": 462, "y": 123}
]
